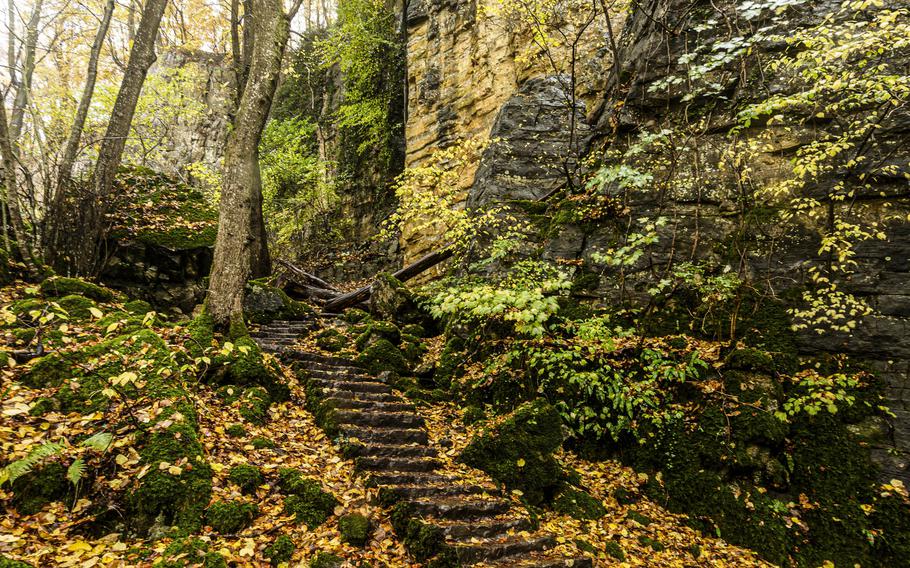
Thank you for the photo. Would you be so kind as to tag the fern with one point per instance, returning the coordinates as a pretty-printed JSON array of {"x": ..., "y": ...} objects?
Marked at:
[
  {"x": 99, "y": 442},
  {"x": 18, "y": 468},
  {"x": 75, "y": 471}
]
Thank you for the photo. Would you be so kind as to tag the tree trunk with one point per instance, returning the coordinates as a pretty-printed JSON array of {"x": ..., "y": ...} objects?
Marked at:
[
  {"x": 142, "y": 55},
  {"x": 236, "y": 246},
  {"x": 12, "y": 196},
  {"x": 71, "y": 149},
  {"x": 17, "y": 119}
]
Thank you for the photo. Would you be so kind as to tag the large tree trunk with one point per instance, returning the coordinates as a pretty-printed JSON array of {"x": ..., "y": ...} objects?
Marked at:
[
  {"x": 71, "y": 150},
  {"x": 23, "y": 89},
  {"x": 237, "y": 246},
  {"x": 142, "y": 55},
  {"x": 12, "y": 196}
]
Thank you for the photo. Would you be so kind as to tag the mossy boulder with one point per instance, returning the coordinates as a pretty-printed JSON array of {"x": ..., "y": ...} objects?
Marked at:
[
  {"x": 518, "y": 452},
  {"x": 235, "y": 431},
  {"x": 187, "y": 552},
  {"x": 48, "y": 371},
  {"x": 245, "y": 365},
  {"x": 280, "y": 551},
  {"x": 247, "y": 477},
  {"x": 42, "y": 406},
  {"x": 355, "y": 529},
  {"x": 179, "y": 495},
  {"x": 614, "y": 550},
  {"x": 10, "y": 563},
  {"x": 331, "y": 340},
  {"x": 306, "y": 499},
  {"x": 355, "y": 315},
  {"x": 326, "y": 560},
  {"x": 39, "y": 487},
  {"x": 77, "y": 307},
  {"x": 137, "y": 307},
  {"x": 391, "y": 299},
  {"x": 264, "y": 303},
  {"x": 231, "y": 517},
  {"x": 378, "y": 330},
  {"x": 59, "y": 286},
  {"x": 254, "y": 406},
  {"x": 579, "y": 504},
  {"x": 381, "y": 355}
]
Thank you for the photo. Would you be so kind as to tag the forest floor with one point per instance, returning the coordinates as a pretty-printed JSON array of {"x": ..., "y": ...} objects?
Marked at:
[{"x": 55, "y": 535}]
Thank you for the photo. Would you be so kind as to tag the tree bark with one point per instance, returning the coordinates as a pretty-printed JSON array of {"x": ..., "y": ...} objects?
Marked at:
[
  {"x": 236, "y": 243},
  {"x": 17, "y": 118},
  {"x": 12, "y": 196},
  {"x": 65, "y": 172},
  {"x": 142, "y": 56}
]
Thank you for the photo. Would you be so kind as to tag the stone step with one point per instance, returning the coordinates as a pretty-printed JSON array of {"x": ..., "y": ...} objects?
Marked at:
[
  {"x": 337, "y": 375},
  {"x": 458, "y": 509},
  {"x": 383, "y": 463},
  {"x": 389, "y": 450},
  {"x": 390, "y": 494},
  {"x": 541, "y": 560},
  {"x": 372, "y": 418},
  {"x": 388, "y": 478},
  {"x": 323, "y": 359},
  {"x": 370, "y": 397},
  {"x": 352, "y": 403},
  {"x": 496, "y": 548},
  {"x": 352, "y": 386},
  {"x": 289, "y": 340},
  {"x": 483, "y": 529},
  {"x": 396, "y": 436}
]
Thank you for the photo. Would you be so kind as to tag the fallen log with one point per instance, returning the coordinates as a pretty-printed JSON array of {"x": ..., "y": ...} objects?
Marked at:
[
  {"x": 419, "y": 266},
  {"x": 305, "y": 278}
]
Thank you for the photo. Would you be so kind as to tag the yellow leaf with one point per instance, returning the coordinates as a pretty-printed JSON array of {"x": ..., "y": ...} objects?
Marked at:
[
  {"x": 520, "y": 462},
  {"x": 79, "y": 546},
  {"x": 96, "y": 312},
  {"x": 175, "y": 470}
]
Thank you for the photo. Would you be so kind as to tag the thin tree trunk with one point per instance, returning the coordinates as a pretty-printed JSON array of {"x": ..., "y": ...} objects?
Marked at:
[
  {"x": 234, "y": 245},
  {"x": 65, "y": 171},
  {"x": 142, "y": 56},
  {"x": 17, "y": 118},
  {"x": 12, "y": 197}
]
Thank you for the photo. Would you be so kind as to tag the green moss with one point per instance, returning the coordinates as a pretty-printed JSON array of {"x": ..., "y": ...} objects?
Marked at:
[
  {"x": 381, "y": 355},
  {"x": 60, "y": 286},
  {"x": 355, "y": 315},
  {"x": 624, "y": 497},
  {"x": 331, "y": 340},
  {"x": 245, "y": 365},
  {"x": 412, "y": 348},
  {"x": 585, "y": 282},
  {"x": 229, "y": 394},
  {"x": 653, "y": 543},
  {"x": 585, "y": 546},
  {"x": 615, "y": 550},
  {"x": 450, "y": 361},
  {"x": 77, "y": 307},
  {"x": 381, "y": 330},
  {"x": 326, "y": 560},
  {"x": 182, "y": 498},
  {"x": 42, "y": 406},
  {"x": 265, "y": 303},
  {"x": 414, "y": 329},
  {"x": 643, "y": 520},
  {"x": 261, "y": 443},
  {"x": 48, "y": 371},
  {"x": 201, "y": 333},
  {"x": 10, "y": 563},
  {"x": 579, "y": 505},
  {"x": 247, "y": 477},
  {"x": 305, "y": 499},
  {"x": 230, "y": 517},
  {"x": 519, "y": 451},
  {"x": 355, "y": 529},
  {"x": 280, "y": 551},
  {"x": 255, "y": 405},
  {"x": 474, "y": 414},
  {"x": 34, "y": 490},
  {"x": 235, "y": 431},
  {"x": 423, "y": 540},
  {"x": 138, "y": 307},
  {"x": 187, "y": 552}
]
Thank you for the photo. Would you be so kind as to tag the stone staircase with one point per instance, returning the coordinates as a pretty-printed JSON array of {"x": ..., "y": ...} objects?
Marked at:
[{"x": 444, "y": 520}]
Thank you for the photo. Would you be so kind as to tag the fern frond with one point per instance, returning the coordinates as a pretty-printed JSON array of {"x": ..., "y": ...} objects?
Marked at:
[
  {"x": 75, "y": 471},
  {"x": 99, "y": 442},
  {"x": 18, "y": 468}
]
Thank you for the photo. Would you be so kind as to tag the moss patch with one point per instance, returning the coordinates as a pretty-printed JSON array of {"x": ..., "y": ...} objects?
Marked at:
[
  {"x": 77, "y": 307},
  {"x": 519, "y": 451},
  {"x": 186, "y": 552},
  {"x": 280, "y": 551},
  {"x": 60, "y": 286},
  {"x": 355, "y": 529},
  {"x": 381, "y": 355},
  {"x": 326, "y": 560},
  {"x": 231, "y": 517},
  {"x": 247, "y": 477},
  {"x": 305, "y": 499},
  {"x": 578, "y": 505}
]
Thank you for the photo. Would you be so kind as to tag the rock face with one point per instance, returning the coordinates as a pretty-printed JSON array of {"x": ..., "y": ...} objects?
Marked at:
[{"x": 465, "y": 81}]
